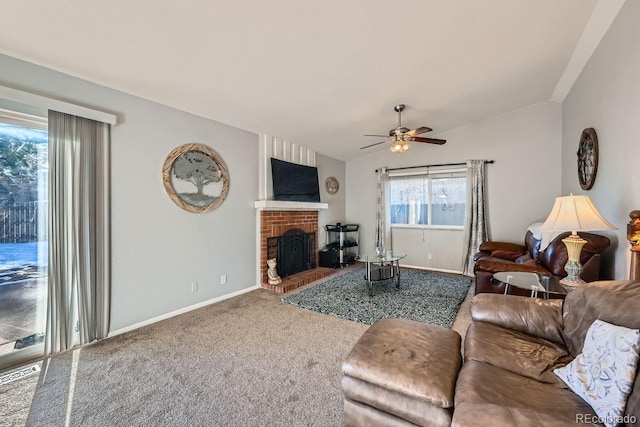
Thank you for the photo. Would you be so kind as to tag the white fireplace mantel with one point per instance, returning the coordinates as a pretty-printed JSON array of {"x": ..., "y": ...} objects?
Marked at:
[{"x": 278, "y": 205}]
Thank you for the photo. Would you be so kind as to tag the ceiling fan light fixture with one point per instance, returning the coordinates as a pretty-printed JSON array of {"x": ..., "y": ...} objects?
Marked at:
[
  {"x": 400, "y": 147},
  {"x": 401, "y": 136},
  {"x": 396, "y": 147}
]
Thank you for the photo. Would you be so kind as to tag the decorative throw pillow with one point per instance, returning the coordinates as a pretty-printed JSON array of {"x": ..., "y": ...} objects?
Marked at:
[
  {"x": 510, "y": 255},
  {"x": 604, "y": 372}
]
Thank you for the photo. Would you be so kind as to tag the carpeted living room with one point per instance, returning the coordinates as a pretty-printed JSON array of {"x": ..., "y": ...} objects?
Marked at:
[
  {"x": 247, "y": 360},
  {"x": 311, "y": 214}
]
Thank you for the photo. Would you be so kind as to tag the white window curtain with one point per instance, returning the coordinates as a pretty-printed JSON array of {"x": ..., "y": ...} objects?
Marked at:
[
  {"x": 79, "y": 232},
  {"x": 476, "y": 229},
  {"x": 383, "y": 219}
]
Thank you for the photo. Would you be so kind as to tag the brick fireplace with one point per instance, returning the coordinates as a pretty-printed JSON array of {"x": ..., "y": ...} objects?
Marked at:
[{"x": 275, "y": 223}]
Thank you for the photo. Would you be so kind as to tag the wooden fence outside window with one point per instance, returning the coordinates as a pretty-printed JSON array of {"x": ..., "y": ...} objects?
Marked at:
[{"x": 19, "y": 223}]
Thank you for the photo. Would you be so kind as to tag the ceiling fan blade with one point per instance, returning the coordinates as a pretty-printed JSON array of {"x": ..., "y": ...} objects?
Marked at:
[
  {"x": 427, "y": 140},
  {"x": 373, "y": 145},
  {"x": 380, "y": 136},
  {"x": 418, "y": 131}
]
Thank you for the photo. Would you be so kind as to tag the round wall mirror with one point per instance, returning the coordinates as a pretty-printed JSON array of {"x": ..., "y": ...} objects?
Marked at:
[
  {"x": 332, "y": 185},
  {"x": 587, "y": 158},
  {"x": 196, "y": 178}
]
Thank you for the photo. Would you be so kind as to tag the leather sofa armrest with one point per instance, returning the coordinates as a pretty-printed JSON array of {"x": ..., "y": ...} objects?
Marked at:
[
  {"x": 495, "y": 265},
  {"x": 533, "y": 316},
  {"x": 501, "y": 246},
  {"x": 481, "y": 254}
]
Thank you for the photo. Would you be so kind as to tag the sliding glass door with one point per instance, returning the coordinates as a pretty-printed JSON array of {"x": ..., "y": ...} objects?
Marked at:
[{"x": 23, "y": 236}]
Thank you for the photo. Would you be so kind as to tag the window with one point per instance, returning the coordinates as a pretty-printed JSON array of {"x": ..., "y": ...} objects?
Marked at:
[
  {"x": 433, "y": 199},
  {"x": 23, "y": 235}
]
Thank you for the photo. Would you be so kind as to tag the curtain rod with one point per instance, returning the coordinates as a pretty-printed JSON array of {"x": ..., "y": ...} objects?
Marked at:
[{"x": 432, "y": 166}]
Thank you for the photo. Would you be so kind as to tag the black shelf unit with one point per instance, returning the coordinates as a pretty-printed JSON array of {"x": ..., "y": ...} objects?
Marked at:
[{"x": 342, "y": 245}]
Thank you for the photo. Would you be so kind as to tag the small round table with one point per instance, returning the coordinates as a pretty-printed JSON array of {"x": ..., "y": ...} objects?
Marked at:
[
  {"x": 531, "y": 282},
  {"x": 382, "y": 267}
]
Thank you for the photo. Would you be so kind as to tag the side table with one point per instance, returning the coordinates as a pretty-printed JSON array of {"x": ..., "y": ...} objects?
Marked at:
[
  {"x": 382, "y": 267},
  {"x": 531, "y": 282}
]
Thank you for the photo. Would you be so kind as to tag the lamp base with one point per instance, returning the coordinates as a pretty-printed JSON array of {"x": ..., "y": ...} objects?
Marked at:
[
  {"x": 571, "y": 284},
  {"x": 574, "y": 244}
]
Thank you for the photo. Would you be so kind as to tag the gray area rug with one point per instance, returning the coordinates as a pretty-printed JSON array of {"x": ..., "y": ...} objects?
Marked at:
[{"x": 423, "y": 296}]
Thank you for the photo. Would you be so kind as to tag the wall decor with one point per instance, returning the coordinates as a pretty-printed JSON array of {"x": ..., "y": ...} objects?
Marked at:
[
  {"x": 196, "y": 178},
  {"x": 332, "y": 185},
  {"x": 587, "y": 158}
]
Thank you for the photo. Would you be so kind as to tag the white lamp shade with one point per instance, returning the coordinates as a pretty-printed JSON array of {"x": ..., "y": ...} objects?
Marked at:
[{"x": 575, "y": 213}]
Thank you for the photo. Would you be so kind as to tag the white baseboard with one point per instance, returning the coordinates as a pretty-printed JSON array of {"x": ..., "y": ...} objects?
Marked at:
[
  {"x": 441, "y": 270},
  {"x": 180, "y": 311},
  {"x": 21, "y": 356}
]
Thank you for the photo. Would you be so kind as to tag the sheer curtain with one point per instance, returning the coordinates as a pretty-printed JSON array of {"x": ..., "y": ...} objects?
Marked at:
[
  {"x": 476, "y": 229},
  {"x": 79, "y": 232},
  {"x": 383, "y": 220}
]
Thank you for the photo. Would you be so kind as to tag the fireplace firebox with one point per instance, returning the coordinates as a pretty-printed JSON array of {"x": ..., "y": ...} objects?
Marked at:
[{"x": 294, "y": 251}]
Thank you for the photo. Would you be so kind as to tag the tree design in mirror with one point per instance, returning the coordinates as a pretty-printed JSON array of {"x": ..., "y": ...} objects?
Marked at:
[{"x": 196, "y": 178}]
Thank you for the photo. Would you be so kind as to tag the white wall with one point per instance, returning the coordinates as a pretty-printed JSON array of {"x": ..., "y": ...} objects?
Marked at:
[
  {"x": 436, "y": 249},
  {"x": 606, "y": 97},
  {"x": 157, "y": 248},
  {"x": 328, "y": 166},
  {"x": 522, "y": 184}
]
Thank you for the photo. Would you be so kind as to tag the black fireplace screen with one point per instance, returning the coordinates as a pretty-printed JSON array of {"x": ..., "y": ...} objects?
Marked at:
[{"x": 294, "y": 251}]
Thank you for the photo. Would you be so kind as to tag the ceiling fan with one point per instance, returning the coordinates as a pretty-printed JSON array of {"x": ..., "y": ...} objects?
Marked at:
[{"x": 401, "y": 136}]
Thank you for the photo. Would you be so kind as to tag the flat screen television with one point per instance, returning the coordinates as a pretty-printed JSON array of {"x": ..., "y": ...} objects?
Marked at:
[{"x": 293, "y": 182}]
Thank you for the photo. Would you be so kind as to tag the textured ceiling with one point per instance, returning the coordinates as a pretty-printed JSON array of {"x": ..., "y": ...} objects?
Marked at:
[{"x": 317, "y": 73}]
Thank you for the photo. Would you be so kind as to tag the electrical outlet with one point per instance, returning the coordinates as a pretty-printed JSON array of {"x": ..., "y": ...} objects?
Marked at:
[
  {"x": 194, "y": 286},
  {"x": 429, "y": 256},
  {"x": 223, "y": 279}
]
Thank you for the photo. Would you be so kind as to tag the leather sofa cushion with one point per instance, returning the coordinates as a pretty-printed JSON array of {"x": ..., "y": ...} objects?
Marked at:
[
  {"x": 509, "y": 255},
  {"x": 411, "y": 358},
  {"x": 533, "y": 316},
  {"x": 496, "y": 265},
  {"x": 358, "y": 415},
  {"x": 501, "y": 396},
  {"x": 613, "y": 301},
  {"x": 515, "y": 351},
  {"x": 490, "y": 246},
  {"x": 383, "y": 401},
  {"x": 484, "y": 414},
  {"x": 526, "y": 258}
]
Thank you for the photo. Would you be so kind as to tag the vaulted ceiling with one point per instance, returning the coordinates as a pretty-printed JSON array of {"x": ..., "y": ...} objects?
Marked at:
[{"x": 317, "y": 73}]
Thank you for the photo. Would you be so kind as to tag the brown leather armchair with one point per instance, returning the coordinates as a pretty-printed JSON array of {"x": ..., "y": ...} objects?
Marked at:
[{"x": 495, "y": 257}]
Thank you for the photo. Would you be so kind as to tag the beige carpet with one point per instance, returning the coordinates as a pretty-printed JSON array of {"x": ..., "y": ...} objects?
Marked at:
[{"x": 247, "y": 361}]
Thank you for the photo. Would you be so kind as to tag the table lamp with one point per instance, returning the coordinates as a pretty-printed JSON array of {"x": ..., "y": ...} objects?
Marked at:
[
  {"x": 575, "y": 213},
  {"x": 633, "y": 236}
]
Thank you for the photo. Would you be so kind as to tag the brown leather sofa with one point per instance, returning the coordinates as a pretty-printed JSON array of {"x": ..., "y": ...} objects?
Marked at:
[
  {"x": 495, "y": 257},
  {"x": 400, "y": 373}
]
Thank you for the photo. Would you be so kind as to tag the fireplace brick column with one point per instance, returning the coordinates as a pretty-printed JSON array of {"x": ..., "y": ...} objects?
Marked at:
[{"x": 276, "y": 223}]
